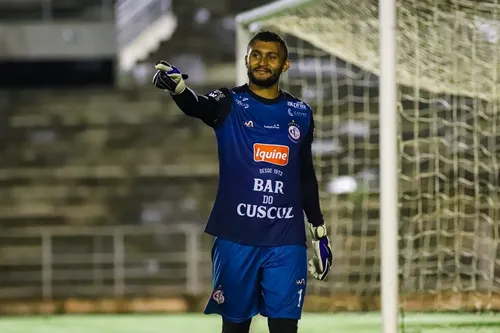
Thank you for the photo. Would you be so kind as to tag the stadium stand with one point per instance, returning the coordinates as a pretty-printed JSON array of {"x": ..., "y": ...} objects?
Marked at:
[{"x": 75, "y": 157}]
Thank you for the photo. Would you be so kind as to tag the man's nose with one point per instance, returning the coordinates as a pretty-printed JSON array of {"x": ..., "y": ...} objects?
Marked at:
[{"x": 263, "y": 61}]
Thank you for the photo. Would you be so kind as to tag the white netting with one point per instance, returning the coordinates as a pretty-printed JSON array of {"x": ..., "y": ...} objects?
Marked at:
[
  {"x": 444, "y": 46},
  {"x": 449, "y": 181}
]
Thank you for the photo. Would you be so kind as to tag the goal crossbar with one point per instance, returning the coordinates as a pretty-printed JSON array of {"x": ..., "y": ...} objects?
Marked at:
[{"x": 269, "y": 10}]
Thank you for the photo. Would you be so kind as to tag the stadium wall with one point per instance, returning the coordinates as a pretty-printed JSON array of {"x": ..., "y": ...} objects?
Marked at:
[{"x": 444, "y": 302}]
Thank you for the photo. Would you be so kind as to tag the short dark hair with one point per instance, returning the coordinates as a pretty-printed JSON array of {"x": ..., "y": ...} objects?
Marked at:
[{"x": 270, "y": 36}]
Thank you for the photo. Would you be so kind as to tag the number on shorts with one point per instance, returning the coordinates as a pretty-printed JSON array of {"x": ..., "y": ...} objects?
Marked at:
[{"x": 300, "y": 297}]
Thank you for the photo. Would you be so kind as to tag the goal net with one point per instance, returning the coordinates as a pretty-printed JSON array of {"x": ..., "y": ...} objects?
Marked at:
[{"x": 449, "y": 134}]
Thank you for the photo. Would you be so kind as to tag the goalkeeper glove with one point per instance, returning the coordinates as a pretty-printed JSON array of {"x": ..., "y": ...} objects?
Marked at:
[
  {"x": 169, "y": 78},
  {"x": 321, "y": 263}
]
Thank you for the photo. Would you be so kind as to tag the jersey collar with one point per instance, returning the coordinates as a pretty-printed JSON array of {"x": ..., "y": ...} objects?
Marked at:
[{"x": 262, "y": 99}]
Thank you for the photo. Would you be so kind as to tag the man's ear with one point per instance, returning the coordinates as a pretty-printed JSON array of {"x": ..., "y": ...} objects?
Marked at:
[{"x": 286, "y": 65}]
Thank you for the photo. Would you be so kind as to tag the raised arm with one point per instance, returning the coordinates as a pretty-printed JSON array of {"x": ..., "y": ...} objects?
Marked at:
[{"x": 212, "y": 108}]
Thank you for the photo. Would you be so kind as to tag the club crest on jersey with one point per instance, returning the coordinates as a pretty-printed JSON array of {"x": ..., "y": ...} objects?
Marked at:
[{"x": 293, "y": 131}]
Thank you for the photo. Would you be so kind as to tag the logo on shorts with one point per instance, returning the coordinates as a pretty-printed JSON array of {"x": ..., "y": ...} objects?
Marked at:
[
  {"x": 300, "y": 282},
  {"x": 218, "y": 295},
  {"x": 274, "y": 154}
]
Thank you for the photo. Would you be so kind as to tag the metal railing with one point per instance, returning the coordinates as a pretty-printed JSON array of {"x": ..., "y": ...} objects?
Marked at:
[{"x": 118, "y": 261}]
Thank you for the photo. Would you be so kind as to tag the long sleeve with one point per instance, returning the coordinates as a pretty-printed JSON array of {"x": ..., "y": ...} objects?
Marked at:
[
  {"x": 212, "y": 108},
  {"x": 309, "y": 182}
]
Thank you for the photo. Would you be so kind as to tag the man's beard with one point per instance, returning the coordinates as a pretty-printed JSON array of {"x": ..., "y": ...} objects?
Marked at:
[{"x": 264, "y": 83}]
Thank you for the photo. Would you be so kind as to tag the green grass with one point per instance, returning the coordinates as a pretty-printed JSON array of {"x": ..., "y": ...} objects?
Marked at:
[{"x": 194, "y": 323}]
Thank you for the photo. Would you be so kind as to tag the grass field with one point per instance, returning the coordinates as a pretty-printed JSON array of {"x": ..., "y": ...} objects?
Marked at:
[{"x": 193, "y": 323}]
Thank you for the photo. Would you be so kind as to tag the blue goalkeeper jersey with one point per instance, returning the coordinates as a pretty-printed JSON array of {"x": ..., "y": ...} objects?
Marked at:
[{"x": 263, "y": 148}]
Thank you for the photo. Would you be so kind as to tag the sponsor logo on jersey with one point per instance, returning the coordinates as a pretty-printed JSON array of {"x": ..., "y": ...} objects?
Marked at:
[
  {"x": 297, "y": 105},
  {"x": 217, "y": 95},
  {"x": 296, "y": 113},
  {"x": 242, "y": 104},
  {"x": 299, "y": 109},
  {"x": 273, "y": 154},
  {"x": 264, "y": 212},
  {"x": 248, "y": 123}
]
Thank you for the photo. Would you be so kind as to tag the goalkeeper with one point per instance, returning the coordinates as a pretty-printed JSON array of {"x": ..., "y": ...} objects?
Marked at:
[{"x": 266, "y": 183}]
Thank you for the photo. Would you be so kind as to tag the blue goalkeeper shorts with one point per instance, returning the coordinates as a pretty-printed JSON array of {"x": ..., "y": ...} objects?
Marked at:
[{"x": 249, "y": 280}]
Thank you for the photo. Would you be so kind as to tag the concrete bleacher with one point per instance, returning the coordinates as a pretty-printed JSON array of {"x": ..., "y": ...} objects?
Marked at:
[{"x": 102, "y": 156}]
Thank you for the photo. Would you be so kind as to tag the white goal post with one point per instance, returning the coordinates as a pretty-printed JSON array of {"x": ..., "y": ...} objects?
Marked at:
[{"x": 247, "y": 24}]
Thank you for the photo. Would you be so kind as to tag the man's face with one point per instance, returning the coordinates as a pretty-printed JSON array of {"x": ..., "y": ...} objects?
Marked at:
[{"x": 265, "y": 62}]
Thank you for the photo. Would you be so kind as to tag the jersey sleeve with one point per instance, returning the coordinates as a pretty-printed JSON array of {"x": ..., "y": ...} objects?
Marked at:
[
  {"x": 212, "y": 108},
  {"x": 308, "y": 180}
]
